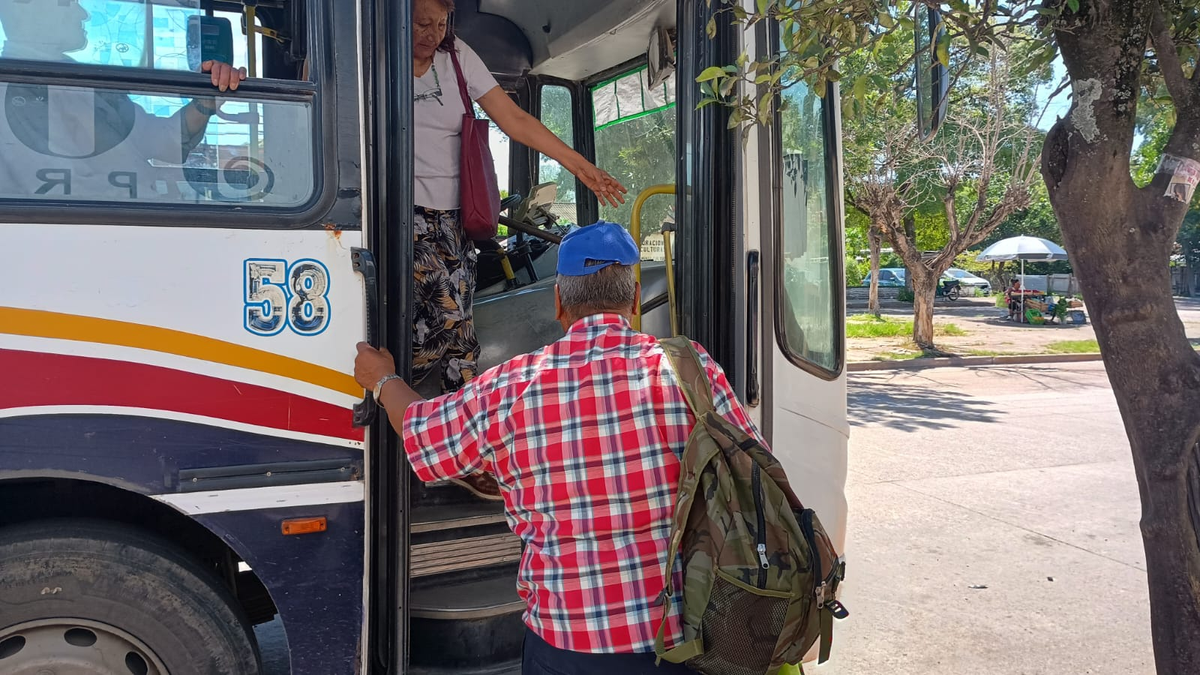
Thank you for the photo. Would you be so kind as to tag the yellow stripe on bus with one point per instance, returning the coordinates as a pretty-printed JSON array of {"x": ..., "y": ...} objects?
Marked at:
[{"x": 38, "y": 323}]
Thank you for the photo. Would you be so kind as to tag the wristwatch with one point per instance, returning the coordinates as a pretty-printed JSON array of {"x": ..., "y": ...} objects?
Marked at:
[
  {"x": 204, "y": 109},
  {"x": 380, "y": 383}
]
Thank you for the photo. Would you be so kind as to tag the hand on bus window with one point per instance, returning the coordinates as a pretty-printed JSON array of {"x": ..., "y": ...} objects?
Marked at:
[
  {"x": 224, "y": 76},
  {"x": 608, "y": 190}
]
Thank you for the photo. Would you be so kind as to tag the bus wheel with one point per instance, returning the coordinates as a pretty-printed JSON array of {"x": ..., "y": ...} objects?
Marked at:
[{"x": 97, "y": 598}]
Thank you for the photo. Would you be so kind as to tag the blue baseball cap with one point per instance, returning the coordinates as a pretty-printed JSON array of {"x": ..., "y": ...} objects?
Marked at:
[{"x": 592, "y": 248}]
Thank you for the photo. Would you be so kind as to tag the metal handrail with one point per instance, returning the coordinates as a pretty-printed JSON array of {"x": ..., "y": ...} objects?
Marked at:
[{"x": 635, "y": 229}]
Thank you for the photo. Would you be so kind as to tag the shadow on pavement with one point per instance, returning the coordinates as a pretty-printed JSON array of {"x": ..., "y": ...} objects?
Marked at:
[{"x": 910, "y": 409}]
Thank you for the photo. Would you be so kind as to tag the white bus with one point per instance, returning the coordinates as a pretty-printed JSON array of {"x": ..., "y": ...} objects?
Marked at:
[{"x": 179, "y": 455}]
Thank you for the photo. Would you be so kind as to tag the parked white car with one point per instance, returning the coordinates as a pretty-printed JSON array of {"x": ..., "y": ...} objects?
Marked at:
[{"x": 968, "y": 281}]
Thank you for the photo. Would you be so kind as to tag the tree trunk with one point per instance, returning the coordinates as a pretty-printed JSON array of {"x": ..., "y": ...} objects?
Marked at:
[
  {"x": 1120, "y": 239},
  {"x": 874, "y": 241},
  {"x": 910, "y": 231},
  {"x": 924, "y": 285}
]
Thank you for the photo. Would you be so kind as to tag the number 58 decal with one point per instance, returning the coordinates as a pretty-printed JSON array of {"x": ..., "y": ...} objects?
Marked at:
[{"x": 280, "y": 296}]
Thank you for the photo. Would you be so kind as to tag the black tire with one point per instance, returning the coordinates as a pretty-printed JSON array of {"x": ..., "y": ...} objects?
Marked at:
[
  {"x": 99, "y": 587},
  {"x": 953, "y": 294}
]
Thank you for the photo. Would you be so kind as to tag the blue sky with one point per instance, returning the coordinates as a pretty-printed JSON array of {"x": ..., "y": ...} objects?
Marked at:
[{"x": 1059, "y": 105}]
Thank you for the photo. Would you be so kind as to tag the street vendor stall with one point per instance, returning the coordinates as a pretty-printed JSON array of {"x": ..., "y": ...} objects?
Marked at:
[{"x": 1025, "y": 248}]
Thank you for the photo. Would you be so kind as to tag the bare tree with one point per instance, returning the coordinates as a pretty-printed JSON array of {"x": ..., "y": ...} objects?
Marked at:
[
  {"x": 988, "y": 148},
  {"x": 874, "y": 244}
]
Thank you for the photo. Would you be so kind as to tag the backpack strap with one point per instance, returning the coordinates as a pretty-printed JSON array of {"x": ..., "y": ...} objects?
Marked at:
[
  {"x": 693, "y": 378},
  {"x": 697, "y": 390}
]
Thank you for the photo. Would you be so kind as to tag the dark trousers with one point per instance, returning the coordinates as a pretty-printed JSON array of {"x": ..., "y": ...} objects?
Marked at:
[{"x": 540, "y": 658}]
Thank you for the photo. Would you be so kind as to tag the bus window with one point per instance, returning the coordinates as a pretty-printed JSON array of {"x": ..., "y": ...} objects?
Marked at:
[
  {"x": 101, "y": 144},
  {"x": 810, "y": 264},
  {"x": 556, "y": 115},
  {"x": 501, "y": 151},
  {"x": 108, "y": 32},
  {"x": 635, "y": 142},
  {"x": 80, "y": 143}
]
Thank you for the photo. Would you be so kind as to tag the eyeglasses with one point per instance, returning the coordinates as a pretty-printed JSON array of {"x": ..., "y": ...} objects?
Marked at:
[{"x": 435, "y": 93}]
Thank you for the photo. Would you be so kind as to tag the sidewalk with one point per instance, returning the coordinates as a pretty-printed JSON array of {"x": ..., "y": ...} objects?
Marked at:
[{"x": 988, "y": 332}]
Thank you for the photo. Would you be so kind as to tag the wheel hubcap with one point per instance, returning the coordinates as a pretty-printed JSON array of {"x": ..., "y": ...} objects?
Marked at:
[{"x": 74, "y": 647}]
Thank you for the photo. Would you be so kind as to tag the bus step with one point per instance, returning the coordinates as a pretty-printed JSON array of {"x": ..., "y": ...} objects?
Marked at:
[
  {"x": 458, "y": 555},
  {"x": 508, "y": 668},
  {"x": 477, "y": 599},
  {"x": 470, "y": 625},
  {"x": 450, "y": 517}
]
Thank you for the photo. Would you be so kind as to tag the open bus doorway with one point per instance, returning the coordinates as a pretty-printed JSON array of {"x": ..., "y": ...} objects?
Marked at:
[{"x": 463, "y": 609}]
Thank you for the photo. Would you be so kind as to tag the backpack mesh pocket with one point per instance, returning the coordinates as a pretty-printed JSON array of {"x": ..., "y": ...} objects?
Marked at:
[{"x": 740, "y": 631}]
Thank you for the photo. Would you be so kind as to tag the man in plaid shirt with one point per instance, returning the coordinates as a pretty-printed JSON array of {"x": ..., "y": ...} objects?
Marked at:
[{"x": 584, "y": 438}]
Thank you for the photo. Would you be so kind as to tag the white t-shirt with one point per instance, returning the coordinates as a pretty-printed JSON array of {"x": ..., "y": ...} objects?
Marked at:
[{"x": 438, "y": 111}]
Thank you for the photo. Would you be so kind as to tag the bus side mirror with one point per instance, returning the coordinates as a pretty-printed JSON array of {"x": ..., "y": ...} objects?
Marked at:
[
  {"x": 209, "y": 38},
  {"x": 932, "y": 78},
  {"x": 660, "y": 56}
]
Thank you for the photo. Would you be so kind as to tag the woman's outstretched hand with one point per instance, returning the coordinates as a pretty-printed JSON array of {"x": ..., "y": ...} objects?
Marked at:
[{"x": 608, "y": 190}]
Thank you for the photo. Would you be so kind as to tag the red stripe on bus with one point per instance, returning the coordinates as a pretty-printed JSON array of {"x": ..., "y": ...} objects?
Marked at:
[{"x": 34, "y": 379}]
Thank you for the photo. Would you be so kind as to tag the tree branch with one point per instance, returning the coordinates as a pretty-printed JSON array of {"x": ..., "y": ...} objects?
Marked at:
[{"x": 1168, "y": 58}]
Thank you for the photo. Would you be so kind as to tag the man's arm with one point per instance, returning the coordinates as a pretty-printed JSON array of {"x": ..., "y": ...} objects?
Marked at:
[
  {"x": 395, "y": 397},
  {"x": 172, "y": 138},
  {"x": 197, "y": 113},
  {"x": 443, "y": 438}
]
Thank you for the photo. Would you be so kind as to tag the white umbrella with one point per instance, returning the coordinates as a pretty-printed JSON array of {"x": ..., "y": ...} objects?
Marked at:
[{"x": 1023, "y": 248}]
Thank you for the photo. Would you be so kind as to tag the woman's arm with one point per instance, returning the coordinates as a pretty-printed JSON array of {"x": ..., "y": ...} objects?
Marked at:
[{"x": 528, "y": 130}]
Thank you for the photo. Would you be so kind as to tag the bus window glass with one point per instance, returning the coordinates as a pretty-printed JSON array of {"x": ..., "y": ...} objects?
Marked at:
[
  {"x": 501, "y": 151},
  {"x": 127, "y": 33},
  {"x": 556, "y": 115},
  {"x": 78, "y": 143},
  {"x": 810, "y": 267},
  {"x": 635, "y": 142}
]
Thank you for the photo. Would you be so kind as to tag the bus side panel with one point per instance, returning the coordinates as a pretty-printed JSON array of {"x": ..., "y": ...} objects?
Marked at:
[
  {"x": 810, "y": 440},
  {"x": 314, "y": 579},
  {"x": 209, "y": 369}
]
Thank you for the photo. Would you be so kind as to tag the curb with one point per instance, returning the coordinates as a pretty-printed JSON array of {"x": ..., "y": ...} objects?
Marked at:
[{"x": 970, "y": 361}]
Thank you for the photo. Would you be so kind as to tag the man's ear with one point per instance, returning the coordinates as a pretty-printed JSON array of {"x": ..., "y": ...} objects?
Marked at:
[
  {"x": 637, "y": 299},
  {"x": 558, "y": 312}
]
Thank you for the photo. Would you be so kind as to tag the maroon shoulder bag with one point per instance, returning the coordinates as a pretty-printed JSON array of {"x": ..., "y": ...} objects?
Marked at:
[{"x": 479, "y": 196}]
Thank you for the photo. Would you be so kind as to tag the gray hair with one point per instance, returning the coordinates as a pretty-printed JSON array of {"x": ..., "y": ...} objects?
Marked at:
[{"x": 612, "y": 288}]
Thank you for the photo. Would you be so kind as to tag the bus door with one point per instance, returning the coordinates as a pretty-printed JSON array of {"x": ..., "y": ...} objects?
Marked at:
[
  {"x": 760, "y": 260},
  {"x": 177, "y": 334},
  {"x": 797, "y": 297}
]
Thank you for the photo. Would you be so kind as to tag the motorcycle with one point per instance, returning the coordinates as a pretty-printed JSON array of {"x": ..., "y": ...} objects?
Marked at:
[{"x": 949, "y": 289}]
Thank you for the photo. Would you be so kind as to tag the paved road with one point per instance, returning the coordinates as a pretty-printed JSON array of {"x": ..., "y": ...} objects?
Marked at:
[{"x": 993, "y": 526}]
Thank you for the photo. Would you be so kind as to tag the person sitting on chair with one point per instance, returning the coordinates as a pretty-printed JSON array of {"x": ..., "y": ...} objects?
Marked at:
[{"x": 1013, "y": 296}]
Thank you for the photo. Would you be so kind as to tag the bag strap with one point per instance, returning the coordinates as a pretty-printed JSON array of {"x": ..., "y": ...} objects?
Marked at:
[
  {"x": 693, "y": 378},
  {"x": 697, "y": 390},
  {"x": 462, "y": 82}
]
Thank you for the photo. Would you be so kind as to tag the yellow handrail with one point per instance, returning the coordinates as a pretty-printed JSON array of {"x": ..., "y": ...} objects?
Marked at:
[
  {"x": 666, "y": 235},
  {"x": 635, "y": 229}
]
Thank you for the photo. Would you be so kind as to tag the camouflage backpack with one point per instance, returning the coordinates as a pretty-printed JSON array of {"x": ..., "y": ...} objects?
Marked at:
[{"x": 759, "y": 572}]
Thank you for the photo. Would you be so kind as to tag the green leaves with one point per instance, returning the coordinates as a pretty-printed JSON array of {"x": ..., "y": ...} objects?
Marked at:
[
  {"x": 711, "y": 73},
  {"x": 942, "y": 51}
]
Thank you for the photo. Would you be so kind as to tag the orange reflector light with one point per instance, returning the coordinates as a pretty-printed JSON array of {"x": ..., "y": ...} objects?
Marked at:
[{"x": 304, "y": 525}]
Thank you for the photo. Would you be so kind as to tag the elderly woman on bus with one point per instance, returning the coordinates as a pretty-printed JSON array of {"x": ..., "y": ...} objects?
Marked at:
[{"x": 443, "y": 331}]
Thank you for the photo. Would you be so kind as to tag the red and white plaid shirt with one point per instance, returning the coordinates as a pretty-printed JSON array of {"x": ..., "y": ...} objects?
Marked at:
[{"x": 584, "y": 437}]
